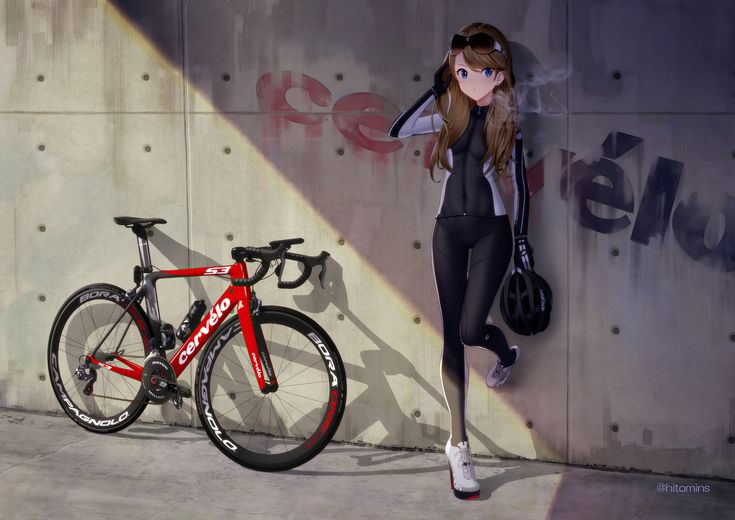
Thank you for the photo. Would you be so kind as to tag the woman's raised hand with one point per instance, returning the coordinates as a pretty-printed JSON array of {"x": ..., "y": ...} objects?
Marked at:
[{"x": 442, "y": 79}]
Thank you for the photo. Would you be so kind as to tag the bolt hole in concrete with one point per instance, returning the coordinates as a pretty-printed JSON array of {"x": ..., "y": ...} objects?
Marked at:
[
  {"x": 230, "y": 237},
  {"x": 340, "y": 317},
  {"x": 614, "y": 251},
  {"x": 617, "y": 74},
  {"x": 529, "y": 424},
  {"x": 339, "y": 76},
  {"x": 417, "y": 77},
  {"x": 614, "y": 427},
  {"x": 340, "y": 151},
  {"x": 616, "y": 330},
  {"x": 40, "y": 77},
  {"x": 417, "y": 245},
  {"x": 41, "y": 297},
  {"x": 232, "y": 395},
  {"x": 146, "y": 77},
  {"x": 228, "y": 150},
  {"x": 417, "y": 320},
  {"x": 147, "y": 148},
  {"x": 42, "y": 377},
  {"x": 41, "y": 147},
  {"x": 341, "y": 241},
  {"x": 731, "y": 439},
  {"x": 225, "y": 77},
  {"x": 732, "y": 337},
  {"x": 417, "y": 413},
  {"x": 417, "y": 153},
  {"x": 529, "y": 154},
  {"x": 42, "y": 228}
]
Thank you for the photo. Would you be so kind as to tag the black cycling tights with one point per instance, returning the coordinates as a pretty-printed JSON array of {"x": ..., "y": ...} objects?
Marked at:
[{"x": 466, "y": 296}]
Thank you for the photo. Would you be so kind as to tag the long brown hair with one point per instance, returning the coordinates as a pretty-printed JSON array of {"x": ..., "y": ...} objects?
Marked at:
[{"x": 454, "y": 106}]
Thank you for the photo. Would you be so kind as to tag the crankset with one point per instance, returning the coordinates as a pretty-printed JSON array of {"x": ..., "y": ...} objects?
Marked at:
[
  {"x": 159, "y": 382},
  {"x": 159, "y": 379}
]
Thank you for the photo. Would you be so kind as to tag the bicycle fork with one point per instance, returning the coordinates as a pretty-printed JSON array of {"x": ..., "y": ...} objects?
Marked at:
[{"x": 258, "y": 354}]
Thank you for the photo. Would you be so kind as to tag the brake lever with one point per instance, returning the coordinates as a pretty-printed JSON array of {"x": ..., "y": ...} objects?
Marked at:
[
  {"x": 323, "y": 271},
  {"x": 279, "y": 269}
]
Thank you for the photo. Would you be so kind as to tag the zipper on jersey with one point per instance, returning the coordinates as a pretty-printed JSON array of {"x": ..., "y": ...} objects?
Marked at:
[{"x": 464, "y": 170}]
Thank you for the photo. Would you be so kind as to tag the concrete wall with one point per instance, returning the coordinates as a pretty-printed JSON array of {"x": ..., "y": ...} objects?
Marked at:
[{"x": 266, "y": 119}]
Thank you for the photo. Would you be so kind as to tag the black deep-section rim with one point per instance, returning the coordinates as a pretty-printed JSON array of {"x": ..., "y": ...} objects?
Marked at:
[
  {"x": 260, "y": 461},
  {"x": 106, "y": 424}
]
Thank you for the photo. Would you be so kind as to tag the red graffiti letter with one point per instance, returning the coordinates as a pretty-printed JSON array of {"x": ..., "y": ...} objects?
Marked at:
[
  {"x": 349, "y": 125},
  {"x": 271, "y": 90}
]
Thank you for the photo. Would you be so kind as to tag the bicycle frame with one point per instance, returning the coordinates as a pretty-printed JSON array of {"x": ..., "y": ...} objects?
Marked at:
[{"x": 233, "y": 296}]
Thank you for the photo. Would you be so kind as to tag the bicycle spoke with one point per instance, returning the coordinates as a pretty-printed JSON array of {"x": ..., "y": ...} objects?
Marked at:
[
  {"x": 297, "y": 355},
  {"x": 99, "y": 337},
  {"x": 289, "y": 414},
  {"x": 78, "y": 344},
  {"x": 278, "y": 424},
  {"x": 231, "y": 380},
  {"x": 302, "y": 413},
  {"x": 301, "y": 396},
  {"x": 284, "y": 352},
  {"x": 301, "y": 384},
  {"x": 225, "y": 394},
  {"x": 304, "y": 370},
  {"x": 238, "y": 406},
  {"x": 256, "y": 420}
]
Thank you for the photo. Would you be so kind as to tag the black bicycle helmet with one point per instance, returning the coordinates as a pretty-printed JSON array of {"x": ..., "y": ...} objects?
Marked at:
[{"x": 525, "y": 302}]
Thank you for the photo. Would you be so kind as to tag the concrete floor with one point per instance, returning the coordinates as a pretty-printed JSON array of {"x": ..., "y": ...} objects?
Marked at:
[{"x": 51, "y": 468}]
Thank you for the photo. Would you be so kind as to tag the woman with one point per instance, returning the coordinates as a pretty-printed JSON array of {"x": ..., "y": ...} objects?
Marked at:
[{"x": 479, "y": 137}]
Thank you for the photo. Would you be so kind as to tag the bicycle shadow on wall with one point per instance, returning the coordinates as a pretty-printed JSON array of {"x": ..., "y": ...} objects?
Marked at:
[{"x": 378, "y": 364}]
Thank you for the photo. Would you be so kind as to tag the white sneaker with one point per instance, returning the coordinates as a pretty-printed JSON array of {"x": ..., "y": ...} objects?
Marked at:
[
  {"x": 462, "y": 470},
  {"x": 499, "y": 373}
]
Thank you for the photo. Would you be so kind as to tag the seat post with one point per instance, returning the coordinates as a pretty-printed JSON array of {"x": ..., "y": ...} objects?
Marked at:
[{"x": 143, "y": 249}]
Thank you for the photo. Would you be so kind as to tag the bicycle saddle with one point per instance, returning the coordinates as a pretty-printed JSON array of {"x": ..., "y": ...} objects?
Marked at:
[{"x": 143, "y": 222}]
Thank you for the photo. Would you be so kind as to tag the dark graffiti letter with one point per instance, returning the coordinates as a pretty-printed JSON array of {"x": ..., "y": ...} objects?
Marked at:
[
  {"x": 690, "y": 223},
  {"x": 658, "y": 200},
  {"x": 619, "y": 195}
]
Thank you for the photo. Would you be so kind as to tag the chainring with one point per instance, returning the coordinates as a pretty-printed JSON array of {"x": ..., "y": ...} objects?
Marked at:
[{"x": 156, "y": 370}]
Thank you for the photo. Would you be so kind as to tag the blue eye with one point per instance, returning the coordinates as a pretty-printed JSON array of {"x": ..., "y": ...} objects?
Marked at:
[
  {"x": 487, "y": 71},
  {"x": 462, "y": 73}
]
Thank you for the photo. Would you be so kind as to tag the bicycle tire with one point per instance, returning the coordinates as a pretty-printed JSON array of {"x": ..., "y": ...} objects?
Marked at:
[
  {"x": 75, "y": 334},
  {"x": 319, "y": 377}
]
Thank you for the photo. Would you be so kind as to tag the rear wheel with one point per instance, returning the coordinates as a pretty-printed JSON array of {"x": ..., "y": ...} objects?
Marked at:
[
  {"x": 97, "y": 399},
  {"x": 285, "y": 428}
]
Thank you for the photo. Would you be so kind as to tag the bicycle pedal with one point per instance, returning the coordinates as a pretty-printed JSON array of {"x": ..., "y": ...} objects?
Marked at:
[{"x": 183, "y": 390}]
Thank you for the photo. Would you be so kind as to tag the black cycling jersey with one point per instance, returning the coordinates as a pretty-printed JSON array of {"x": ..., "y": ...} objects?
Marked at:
[{"x": 470, "y": 189}]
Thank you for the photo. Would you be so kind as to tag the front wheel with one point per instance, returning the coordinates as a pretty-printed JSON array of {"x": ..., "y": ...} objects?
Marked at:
[{"x": 285, "y": 428}]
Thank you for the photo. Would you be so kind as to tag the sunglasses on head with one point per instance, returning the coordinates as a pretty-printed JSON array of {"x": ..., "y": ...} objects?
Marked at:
[{"x": 478, "y": 42}]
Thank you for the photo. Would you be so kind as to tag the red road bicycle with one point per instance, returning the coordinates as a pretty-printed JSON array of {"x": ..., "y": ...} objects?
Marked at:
[{"x": 270, "y": 386}]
